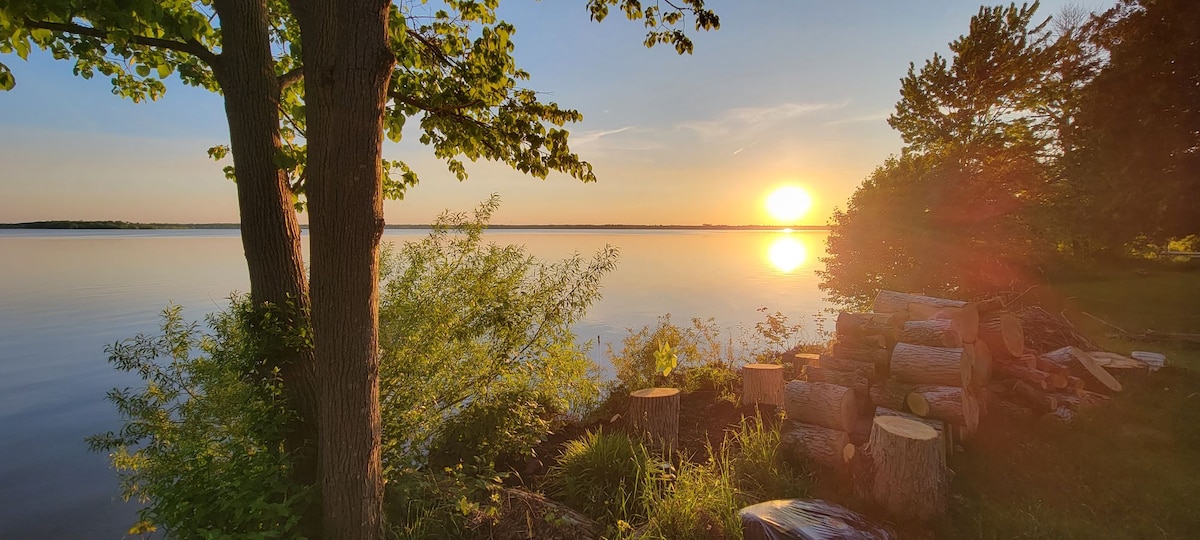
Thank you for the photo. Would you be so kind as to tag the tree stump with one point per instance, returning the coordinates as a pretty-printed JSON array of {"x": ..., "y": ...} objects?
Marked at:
[
  {"x": 654, "y": 414},
  {"x": 908, "y": 461},
  {"x": 828, "y": 447},
  {"x": 932, "y": 365},
  {"x": 762, "y": 384},
  {"x": 822, "y": 404}
]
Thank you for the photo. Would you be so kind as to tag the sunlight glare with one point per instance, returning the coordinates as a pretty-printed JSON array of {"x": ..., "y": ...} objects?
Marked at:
[
  {"x": 787, "y": 253},
  {"x": 788, "y": 203}
]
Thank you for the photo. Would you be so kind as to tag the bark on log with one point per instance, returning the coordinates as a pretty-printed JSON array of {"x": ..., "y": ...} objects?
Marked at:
[
  {"x": 990, "y": 305},
  {"x": 931, "y": 333},
  {"x": 1011, "y": 409},
  {"x": 1003, "y": 333},
  {"x": 858, "y": 325},
  {"x": 857, "y": 380},
  {"x": 821, "y": 404},
  {"x": 931, "y": 365},
  {"x": 654, "y": 414},
  {"x": 981, "y": 365},
  {"x": 966, "y": 317},
  {"x": 1082, "y": 365},
  {"x": 951, "y": 404},
  {"x": 1058, "y": 375},
  {"x": 891, "y": 394},
  {"x": 1039, "y": 379},
  {"x": 911, "y": 482},
  {"x": 762, "y": 384},
  {"x": 836, "y": 363},
  {"x": 858, "y": 352},
  {"x": 1036, "y": 399},
  {"x": 897, "y": 302},
  {"x": 1029, "y": 359},
  {"x": 828, "y": 447}
]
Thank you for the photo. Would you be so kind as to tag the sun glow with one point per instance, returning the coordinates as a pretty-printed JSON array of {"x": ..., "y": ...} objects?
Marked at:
[
  {"x": 787, "y": 253},
  {"x": 788, "y": 204}
]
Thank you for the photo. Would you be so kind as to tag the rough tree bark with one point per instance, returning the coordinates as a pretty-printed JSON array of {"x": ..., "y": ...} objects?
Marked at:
[
  {"x": 762, "y": 384},
  {"x": 910, "y": 480},
  {"x": 348, "y": 63},
  {"x": 269, "y": 227},
  {"x": 654, "y": 414},
  {"x": 822, "y": 404}
]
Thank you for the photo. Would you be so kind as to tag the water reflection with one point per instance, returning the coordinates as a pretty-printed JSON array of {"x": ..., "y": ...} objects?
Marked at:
[{"x": 787, "y": 253}]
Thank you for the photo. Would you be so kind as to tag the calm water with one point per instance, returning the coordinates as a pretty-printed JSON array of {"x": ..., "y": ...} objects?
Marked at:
[{"x": 65, "y": 295}]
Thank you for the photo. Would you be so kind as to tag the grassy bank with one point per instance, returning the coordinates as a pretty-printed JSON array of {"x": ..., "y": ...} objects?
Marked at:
[{"x": 1128, "y": 469}]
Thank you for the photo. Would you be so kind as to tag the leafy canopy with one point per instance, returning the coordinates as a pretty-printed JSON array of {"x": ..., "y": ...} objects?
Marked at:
[{"x": 455, "y": 72}]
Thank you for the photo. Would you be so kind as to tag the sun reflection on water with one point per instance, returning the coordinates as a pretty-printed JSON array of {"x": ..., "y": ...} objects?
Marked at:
[{"x": 787, "y": 253}]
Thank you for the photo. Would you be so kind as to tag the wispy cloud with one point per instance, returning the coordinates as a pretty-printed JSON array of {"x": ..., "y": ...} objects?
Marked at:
[
  {"x": 746, "y": 119},
  {"x": 876, "y": 117},
  {"x": 588, "y": 137}
]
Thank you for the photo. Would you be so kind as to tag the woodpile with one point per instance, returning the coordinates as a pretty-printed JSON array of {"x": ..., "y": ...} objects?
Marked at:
[{"x": 820, "y": 417}]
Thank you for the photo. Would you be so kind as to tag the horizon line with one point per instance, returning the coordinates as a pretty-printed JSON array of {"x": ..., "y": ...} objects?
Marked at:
[{"x": 116, "y": 225}]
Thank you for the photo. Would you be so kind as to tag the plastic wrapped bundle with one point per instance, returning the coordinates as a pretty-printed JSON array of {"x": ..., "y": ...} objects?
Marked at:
[{"x": 807, "y": 519}]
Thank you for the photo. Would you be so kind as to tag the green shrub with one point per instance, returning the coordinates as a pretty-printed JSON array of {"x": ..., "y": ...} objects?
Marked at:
[
  {"x": 500, "y": 428},
  {"x": 603, "y": 476},
  {"x": 438, "y": 504},
  {"x": 636, "y": 364},
  {"x": 201, "y": 444},
  {"x": 464, "y": 322}
]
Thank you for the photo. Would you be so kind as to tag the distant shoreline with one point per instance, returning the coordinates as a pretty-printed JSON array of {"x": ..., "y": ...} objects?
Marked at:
[{"x": 126, "y": 225}]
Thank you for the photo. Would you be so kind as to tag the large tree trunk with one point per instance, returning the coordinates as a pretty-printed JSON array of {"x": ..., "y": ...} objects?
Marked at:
[
  {"x": 269, "y": 228},
  {"x": 348, "y": 63}
]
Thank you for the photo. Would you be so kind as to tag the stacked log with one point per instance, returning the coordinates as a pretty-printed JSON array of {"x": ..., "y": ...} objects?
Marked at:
[
  {"x": 931, "y": 365},
  {"x": 820, "y": 416},
  {"x": 1003, "y": 334},
  {"x": 931, "y": 332},
  {"x": 1082, "y": 365},
  {"x": 863, "y": 325}
]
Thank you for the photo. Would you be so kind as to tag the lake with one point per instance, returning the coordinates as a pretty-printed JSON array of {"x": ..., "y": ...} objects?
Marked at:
[{"x": 65, "y": 295}]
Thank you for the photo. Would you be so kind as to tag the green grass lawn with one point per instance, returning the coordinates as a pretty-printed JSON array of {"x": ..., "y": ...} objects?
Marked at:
[{"x": 1127, "y": 469}]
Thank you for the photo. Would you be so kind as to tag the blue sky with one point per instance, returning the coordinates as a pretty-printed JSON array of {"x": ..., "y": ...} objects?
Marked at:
[{"x": 786, "y": 92}]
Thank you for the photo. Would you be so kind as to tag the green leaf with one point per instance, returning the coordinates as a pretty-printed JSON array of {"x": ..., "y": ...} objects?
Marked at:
[{"x": 143, "y": 70}]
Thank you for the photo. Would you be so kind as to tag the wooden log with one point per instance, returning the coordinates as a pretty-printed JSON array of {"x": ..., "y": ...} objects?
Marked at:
[
  {"x": 932, "y": 333},
  {"x": 654, "y": 415},
  {"x": 827, "y": 447},
  {"x": 1034, "y": 398},
  {"x": 857, "y": 380},
  {"x": 1039, "y": 379},
  {"x": 1002, "y": 332},
  {"x": 837, "y": 363},
  {"x": 931, "y": 365},
  {"x": 966, "y": 318},
  {"x": 1029, "y": 359},
  {"x": 858, "y": 352},
  {"x": 1082, "y": 365},
  {"x": 990, "y": 305},
  {"x": 822, "y": 404},
  {"x": 1074, "y": 386},
  {"x": 1010, "y": 409},
  {"x": 891, "y": 394},
  {"x": 910, "y": 480},
  {"x": 897, "y": 302},
  {"x": 762, "y": 384},
  {"x": 857, "y": 325},
  {"x": 949, "y": 403},
  {"x": 1057, "y": 375},
  {"x": 981, "y": 365}
]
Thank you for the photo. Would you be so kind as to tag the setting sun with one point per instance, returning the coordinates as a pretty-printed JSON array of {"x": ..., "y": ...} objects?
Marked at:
[{"x": 788, "y": 204}]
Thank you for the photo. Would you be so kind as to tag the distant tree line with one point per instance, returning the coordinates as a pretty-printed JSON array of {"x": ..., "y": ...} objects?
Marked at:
[{"x": 1035, "y": 142}]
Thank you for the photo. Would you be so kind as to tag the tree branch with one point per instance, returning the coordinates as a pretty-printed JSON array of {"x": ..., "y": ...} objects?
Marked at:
[
  {"x": 191, "y": 46},
  {"x": 292, "y": 77}
]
